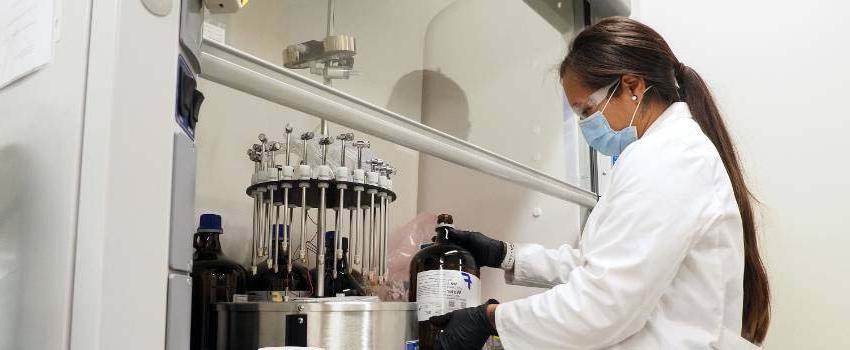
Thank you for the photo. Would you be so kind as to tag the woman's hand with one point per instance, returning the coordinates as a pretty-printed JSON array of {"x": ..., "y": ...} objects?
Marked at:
[
  {"x": 466, "y": 328},
  {"x": 486, "y": 251}
]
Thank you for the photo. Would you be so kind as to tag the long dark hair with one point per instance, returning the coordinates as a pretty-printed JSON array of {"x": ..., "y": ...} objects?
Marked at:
[{"x": 617, "y": 46}]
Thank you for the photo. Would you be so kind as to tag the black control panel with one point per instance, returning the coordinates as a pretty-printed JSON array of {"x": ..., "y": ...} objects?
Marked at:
[
  {"x": 296, "y": 330},
  {"x": 189, "y": 99}
]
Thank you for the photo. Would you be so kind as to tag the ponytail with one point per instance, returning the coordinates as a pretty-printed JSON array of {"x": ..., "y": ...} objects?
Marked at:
[
  {"x": 617, "y": 46},
  {"x": 756, "y": 292}
]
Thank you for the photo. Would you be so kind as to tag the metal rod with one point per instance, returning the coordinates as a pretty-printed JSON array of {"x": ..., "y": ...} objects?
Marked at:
[
  {"x": 379, "y": 218},
  {"x": 264, "y": 151},
  {"x": 255, "y": 220},
  {"x": 364, "y": 247},
  {"x": 285, "y": 226},
  {"x": 372, "y": 236},
  {"x": 277, "y": 233},
  {"x": 342, "y": 154},
  {"x": 302, "y": 249},
  {"x": 379, "y": 122},
  {"x": 286, "y": 234},
  {"x": 288, "y": 132},
  {"x": 357, "y": 229},
  {"x": 360, "y": 145},
  {"x": 273, "y": 148},
  {"x": 384, "y": 237},
  {"x": 337, "y": 236},
  {"x": 331, "y": 17},
  {"x": 351, "y": 230},
  {"x": 320, "y": 256},
  {"x": 268, "y": 236},
  {"x": 263, "y": 227},
  {"x": 330, "y": 31},
  {"x": 272, "y": 229}
]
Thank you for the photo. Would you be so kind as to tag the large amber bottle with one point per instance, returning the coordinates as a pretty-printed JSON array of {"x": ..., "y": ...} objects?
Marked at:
[
  {"x": 443, "y": 277},
  {"x": 215, "y": 278}
]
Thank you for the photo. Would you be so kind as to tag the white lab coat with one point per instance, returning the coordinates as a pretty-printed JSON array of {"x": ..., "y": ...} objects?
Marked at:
[{"x": 660, "y": 264}]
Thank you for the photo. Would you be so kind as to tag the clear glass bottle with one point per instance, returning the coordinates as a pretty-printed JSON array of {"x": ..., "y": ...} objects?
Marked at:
[
  {"x": 443, "y": 277},
  {"x": 214, "y": 279}
]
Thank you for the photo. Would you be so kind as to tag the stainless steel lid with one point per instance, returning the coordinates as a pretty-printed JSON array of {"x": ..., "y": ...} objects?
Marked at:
[{"x": 316, "y": 306}]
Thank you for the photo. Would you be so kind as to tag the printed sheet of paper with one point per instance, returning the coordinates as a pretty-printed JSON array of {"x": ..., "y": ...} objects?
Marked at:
[{"x": 26, "y": 37}]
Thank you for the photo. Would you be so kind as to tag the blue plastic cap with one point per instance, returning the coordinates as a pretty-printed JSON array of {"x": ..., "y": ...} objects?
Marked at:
[
  {"x": 210, "y": 223},
  {"x": 281, "y": 231}
]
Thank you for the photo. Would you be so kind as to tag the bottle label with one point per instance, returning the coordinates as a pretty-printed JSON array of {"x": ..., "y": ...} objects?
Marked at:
[{"x": 442, "y": 291}]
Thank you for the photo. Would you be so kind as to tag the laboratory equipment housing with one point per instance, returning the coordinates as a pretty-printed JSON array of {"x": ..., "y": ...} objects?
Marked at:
[{"x": 367, "y": 117}]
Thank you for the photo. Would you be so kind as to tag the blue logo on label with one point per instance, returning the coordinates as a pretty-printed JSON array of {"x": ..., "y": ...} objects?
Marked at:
[
  {"x": 468, "y": 279},
  {"x": 411, "y": 345}
]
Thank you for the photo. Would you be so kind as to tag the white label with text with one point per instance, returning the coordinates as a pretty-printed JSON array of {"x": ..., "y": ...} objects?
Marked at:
[{"x": 442, "y": 291}]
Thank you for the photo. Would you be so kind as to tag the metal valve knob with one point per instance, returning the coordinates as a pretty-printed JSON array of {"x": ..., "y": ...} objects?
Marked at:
[
  {"x": 360, "y": 145},
  {"x": 307, "y": 136},
  {"x": 345, "y": 137},
  {"x": 304, "y": 138},
  {"x": 274, "y": 146},
  {"x": 376, "y": 163}
]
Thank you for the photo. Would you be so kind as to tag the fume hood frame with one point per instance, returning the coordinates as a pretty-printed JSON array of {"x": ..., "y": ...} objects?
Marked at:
[{"x": 239, "y": 70}]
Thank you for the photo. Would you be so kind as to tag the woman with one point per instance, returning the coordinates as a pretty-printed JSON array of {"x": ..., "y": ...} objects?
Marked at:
[{"x": 669, "y": 257}]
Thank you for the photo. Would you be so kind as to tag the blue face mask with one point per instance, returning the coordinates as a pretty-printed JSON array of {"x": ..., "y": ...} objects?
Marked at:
[{"x": 599, "y": 134}]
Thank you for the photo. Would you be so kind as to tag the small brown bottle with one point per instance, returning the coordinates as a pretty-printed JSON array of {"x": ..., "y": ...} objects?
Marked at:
[{"x": 443, "y": 277}]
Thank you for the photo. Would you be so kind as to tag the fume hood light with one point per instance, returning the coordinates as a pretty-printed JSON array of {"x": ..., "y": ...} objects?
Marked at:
[
  {"x": 299, "y": 56},
  {"x": 332, "y": 58},
  {"x": 225, "y": 6}
]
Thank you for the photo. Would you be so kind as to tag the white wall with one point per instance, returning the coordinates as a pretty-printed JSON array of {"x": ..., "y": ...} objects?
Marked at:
[
  {"x": 779, "y": 70},
  {"x": 41, "y": 121},
  {"x": 492, "y": 80}
]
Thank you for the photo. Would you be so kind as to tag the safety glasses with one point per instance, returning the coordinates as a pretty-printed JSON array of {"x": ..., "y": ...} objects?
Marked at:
[{"x": 594, "y": 100}]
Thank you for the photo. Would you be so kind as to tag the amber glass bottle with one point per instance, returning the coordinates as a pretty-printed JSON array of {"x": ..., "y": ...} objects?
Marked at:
[
  {"x": 267, "y": 279},
  {"x": 345, "y": 283},
  {"x": 443, "y": 277},
  {"x": 214, "y": 279}
]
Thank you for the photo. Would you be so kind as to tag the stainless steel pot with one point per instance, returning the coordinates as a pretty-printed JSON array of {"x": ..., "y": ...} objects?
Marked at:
[{"x": 331, "y": 325}]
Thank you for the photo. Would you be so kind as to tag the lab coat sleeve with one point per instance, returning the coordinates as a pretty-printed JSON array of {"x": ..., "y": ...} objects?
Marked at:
[
  {"x": 535, "y": 266},
  {"x": 655, "y": 211}
]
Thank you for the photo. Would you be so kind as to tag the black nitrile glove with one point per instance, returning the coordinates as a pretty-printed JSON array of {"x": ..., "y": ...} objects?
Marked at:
[
  {"x": 486, "y": 251},
  {"x": 464, "y": 329}
]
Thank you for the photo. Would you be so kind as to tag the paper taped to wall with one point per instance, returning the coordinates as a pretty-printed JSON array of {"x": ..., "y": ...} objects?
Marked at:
[{"x": 26, "y": 37}]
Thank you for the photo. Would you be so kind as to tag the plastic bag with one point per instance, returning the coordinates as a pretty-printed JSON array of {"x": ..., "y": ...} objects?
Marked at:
[{"x": 402, "y": 244}]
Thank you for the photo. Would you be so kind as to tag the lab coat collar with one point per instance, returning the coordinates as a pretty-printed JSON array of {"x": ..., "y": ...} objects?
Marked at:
[{"x": 677, "y": 110}]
